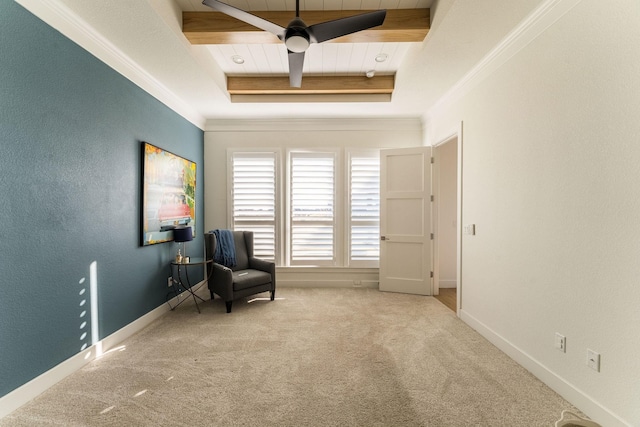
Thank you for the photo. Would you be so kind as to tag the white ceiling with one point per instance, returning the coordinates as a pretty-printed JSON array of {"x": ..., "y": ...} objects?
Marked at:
[
  {"x": 320, "y": 59},
  {"x": 143, "y": 40}
]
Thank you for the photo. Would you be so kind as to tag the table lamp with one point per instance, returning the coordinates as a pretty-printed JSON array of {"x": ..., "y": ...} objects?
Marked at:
[{"x": 182, "y": 235}]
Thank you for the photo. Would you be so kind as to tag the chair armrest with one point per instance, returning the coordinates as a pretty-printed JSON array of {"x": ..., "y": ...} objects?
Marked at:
[
  {"x": 262, "y": 265},
  {"x": 220, "y": 269},
  {"x": 222, "y": 281}
]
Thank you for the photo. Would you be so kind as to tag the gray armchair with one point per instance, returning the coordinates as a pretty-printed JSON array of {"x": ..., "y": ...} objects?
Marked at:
[{"x": 249, "y": 276}]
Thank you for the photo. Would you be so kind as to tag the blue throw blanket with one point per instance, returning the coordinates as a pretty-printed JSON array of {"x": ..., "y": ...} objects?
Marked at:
[{"x": 225, "y": 252}]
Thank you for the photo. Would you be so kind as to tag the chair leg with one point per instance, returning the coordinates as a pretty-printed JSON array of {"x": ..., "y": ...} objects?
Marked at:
[
  {"x": 228, "y": 303},
  {"x": 211, "y": 295},
  {"x": 273, "y": 294}
]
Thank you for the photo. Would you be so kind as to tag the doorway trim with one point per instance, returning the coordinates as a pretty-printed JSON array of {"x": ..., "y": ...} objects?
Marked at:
[{"x": 457, "y": 135}]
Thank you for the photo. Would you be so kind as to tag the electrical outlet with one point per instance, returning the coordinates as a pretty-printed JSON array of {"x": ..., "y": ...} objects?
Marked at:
[
  {"x": 593, "y": 360},
  {"x": 561, "y": 343},
  {"x": 169, "y": 282}
]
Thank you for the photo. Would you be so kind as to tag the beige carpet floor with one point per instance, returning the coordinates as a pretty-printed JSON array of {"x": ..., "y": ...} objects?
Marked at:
[{"x": 315, "y": 357}]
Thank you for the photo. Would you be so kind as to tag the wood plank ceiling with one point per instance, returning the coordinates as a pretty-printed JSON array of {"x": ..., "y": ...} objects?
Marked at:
[{"x": 261, "y": 75}]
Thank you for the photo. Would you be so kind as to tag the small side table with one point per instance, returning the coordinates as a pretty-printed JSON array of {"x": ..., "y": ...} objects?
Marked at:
[{"x": 180, "y": 279}]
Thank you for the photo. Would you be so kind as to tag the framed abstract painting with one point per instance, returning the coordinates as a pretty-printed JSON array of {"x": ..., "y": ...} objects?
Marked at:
[{"x": 168, "y": 194}]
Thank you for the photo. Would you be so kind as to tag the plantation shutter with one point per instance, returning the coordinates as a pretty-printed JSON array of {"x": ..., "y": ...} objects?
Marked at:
[
  {"x": 312, "y": 204},
  {"x": 254, "y": 199},
  {"x": 365, "y": 211}
]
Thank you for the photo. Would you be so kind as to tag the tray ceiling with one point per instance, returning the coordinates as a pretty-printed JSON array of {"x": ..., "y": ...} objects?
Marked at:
[{"x": 143, "y": 40}]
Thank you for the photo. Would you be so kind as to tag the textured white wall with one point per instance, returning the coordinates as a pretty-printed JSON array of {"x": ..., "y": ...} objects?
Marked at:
[{"x": 551, "y": 177}]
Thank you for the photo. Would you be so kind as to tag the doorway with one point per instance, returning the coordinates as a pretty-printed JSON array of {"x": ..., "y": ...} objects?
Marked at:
[{"x": 446, "y": 224}]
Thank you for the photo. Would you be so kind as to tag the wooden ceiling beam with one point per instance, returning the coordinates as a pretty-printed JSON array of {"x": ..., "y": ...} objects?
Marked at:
[
  {"x": 311, "y": 85},
  {"x": 400, "y": 25}
]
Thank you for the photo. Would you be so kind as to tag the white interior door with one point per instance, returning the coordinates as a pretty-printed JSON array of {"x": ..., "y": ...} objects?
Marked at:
[{"x": 405, "y": 220}]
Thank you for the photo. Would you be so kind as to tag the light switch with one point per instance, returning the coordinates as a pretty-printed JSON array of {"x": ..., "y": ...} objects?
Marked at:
[{"x": 470, "y": 229}]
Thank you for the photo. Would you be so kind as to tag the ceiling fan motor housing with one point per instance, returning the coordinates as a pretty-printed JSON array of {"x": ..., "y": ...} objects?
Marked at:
[{"x": 296, "y": 37}]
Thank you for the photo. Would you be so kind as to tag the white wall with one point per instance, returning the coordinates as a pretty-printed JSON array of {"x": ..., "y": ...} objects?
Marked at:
[
  {"x": 551, "y": 178},
  {"x": 446, "y": 201},
  {"x": 283, "y": 134}
]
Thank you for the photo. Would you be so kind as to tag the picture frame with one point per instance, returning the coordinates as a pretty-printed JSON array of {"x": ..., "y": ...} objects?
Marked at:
[{"x": 168, "y": 194}]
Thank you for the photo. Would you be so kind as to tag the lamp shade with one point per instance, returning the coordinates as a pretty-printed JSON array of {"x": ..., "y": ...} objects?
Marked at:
[{"x": 183, "y": 234}]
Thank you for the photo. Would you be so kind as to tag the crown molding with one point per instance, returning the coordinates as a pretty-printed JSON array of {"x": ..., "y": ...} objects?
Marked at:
[
  {"x": 310, "y": 125},
  {"x": 528, "y": 30},
  {"x": 67, "y": 22}
]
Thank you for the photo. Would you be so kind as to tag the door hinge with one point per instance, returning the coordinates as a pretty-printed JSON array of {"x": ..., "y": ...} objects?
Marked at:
[
  {"x": 432, "y": 198},
  {"x": 433, "y": 160},
  {"x": 431, "y": 275},
  {"x": 431, "y": 236}
]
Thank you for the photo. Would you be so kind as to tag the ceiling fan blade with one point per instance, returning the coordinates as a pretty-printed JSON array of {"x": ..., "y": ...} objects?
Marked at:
[
  {"x": 250, "y": 19},
  {"x": 341, "y": 27},
  {"x": 296, "y": 62}
]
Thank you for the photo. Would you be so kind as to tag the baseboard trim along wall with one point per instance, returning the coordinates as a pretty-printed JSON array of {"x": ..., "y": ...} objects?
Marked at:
[
  {"x": 23, "y": 394},
  {"x": 447, "y": 284},
  {"x": 328, "y": 284},
  {"x": 38, "y": 385},
  {"x": 327, "y": 277},
  {"x": 582, "y": 401}
]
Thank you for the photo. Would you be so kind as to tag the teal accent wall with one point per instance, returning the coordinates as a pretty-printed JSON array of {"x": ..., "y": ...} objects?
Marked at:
[{"x": 70, "y": 171}]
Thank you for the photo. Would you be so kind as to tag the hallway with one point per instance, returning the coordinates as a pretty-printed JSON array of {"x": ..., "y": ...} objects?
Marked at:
[{"x": 448, "y": 297}]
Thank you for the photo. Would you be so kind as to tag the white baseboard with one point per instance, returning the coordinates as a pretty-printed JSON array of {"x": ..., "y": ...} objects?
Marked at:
[
  {"x": 448, "y": 284},
  {"x": 23, "y": 394},
  {"x": 328, "y": 277},
  {"x": 327, "y": 284},
  {"x": 582, "y": 401}
]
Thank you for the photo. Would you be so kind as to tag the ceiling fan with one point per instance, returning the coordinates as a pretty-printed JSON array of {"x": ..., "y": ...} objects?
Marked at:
[{"x": 298, "y": 36}]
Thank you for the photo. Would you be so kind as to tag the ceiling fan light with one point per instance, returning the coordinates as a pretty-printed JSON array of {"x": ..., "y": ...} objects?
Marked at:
[
  {"x": 296, "y": 37},
  {"x": 297, "y": 43},
  {"x": 237, "y": 59}
]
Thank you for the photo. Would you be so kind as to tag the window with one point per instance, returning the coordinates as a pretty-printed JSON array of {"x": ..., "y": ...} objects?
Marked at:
[
  {"x": 312, "y": 209},
  {"x": 254, "y": 199},
  {"x": 364, "y": 206},
  {"x": 330, "y": 215}
]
